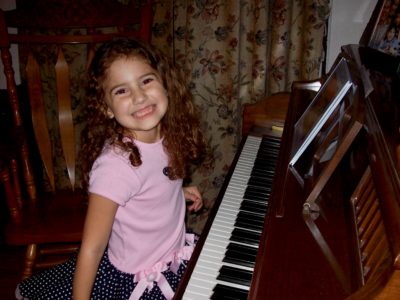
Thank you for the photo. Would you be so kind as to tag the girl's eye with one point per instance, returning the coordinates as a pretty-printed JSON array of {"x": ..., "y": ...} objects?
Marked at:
[
  {"x": 120, "y": 91},
  {"x": 147, "y": 80}
]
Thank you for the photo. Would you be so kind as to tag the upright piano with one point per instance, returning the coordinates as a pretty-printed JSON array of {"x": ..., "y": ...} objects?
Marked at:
[{"x": 311, "y": 206}]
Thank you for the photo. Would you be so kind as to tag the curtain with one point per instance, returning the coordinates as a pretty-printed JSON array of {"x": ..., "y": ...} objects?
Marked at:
[
  {"x": 237, "y": 52},
  {"x": 234, "y": 52}
]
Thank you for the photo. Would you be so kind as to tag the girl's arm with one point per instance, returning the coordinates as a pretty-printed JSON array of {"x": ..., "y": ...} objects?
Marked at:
[
  {"x": 96, "y": 232},
  {"x": 192, "y": 194}
]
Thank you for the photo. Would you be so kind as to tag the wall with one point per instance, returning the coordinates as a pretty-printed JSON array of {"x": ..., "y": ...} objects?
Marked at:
[{"x": 346, "y": 24}]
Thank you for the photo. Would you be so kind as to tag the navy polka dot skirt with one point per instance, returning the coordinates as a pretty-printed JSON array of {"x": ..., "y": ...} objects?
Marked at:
[{"x": 110, "y": 283}]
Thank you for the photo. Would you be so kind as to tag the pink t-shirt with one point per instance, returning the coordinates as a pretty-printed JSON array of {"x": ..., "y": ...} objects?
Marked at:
[{"x": 149, "y": 224}]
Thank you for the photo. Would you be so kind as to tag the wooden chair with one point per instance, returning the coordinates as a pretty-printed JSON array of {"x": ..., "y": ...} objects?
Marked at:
[{"x": 45, "y": 215}]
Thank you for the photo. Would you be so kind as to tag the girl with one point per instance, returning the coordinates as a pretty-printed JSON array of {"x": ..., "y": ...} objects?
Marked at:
[
  {"x": 141, "y": 135},
  {"x": 390, "y": 44}
]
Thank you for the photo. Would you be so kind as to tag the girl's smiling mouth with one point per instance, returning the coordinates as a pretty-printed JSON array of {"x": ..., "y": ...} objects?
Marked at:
[{"x": 143, "y": 113}]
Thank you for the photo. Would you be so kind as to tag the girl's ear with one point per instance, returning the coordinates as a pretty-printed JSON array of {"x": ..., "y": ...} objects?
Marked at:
[{"x": 109, "y": 113}]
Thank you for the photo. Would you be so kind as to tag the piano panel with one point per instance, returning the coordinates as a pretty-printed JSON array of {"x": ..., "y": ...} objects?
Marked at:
[
  {"x": 327, "y": 259},
  {"x": 292, "y": 261}
]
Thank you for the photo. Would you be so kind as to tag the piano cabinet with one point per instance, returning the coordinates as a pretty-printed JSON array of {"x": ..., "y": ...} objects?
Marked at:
[
  {"x": 336, "y": 235},
  {"x": 346, "y": 246}
]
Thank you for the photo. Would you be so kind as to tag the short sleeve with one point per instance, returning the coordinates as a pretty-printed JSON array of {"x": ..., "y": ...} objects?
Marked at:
[{"x": 113, "y": 177}]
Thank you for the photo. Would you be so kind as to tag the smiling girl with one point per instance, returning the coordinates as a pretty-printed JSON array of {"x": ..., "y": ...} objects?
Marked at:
[{"x": 141, "y": 139}]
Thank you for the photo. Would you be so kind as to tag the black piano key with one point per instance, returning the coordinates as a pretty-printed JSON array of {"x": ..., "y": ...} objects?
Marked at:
[
  {"x": 256, "y": 191},
  {"x": 240, "y": 255},
  {"x": 249, "y": 216},
  {"x": 265, "y": 164},
  {"x": 221, "y": 291},
  {"x": 256, "y": 198},
  {"x": 266, "y": 157},
  {"x": 235, "y": 275},
  {"x": 266, "y": 152},
  {"x": 245, "y": 236},
  {"x": 259, "y": 201},
  {"x": 261, "y": 186},
  {"x": 270, "y": 143},
  {"x": 255, "y": 202},
  {"x": 262, "y": 175},
  {"x": 262, "y": 172},
  {"x": 242, "y": 249},
  {"x": 261, "y": 179},
  {"x": 254, "y": 207},
  {"x": 249, "y": 224},
  {"x": 238, "y": 259},
  {"x": 264, "y": 188},
  {"x": 252, "y": 193},
  {"x": 270, "y": 156}
]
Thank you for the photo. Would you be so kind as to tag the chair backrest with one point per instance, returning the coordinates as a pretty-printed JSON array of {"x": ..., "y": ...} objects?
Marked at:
[{"x": 57, "y": 41}]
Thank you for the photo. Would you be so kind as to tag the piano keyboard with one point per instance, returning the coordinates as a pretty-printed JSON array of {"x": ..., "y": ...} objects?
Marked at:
[{"x": 225, "y": 265}]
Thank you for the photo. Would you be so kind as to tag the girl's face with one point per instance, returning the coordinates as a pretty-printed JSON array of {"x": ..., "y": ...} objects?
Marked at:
[
  {"x": 136, "y": 98},
  {"x": 390, "y": 34}
]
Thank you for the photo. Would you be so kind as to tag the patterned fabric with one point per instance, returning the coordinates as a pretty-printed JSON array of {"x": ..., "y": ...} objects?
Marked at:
[
  {"x": 159, "y": 282},
  {"x": 234, "y": 52},
  {"x": 56, "y": 283},
  {"x": 237, "y": 52}
]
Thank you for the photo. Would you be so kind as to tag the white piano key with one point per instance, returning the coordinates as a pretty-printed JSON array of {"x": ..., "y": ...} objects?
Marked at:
[
  {"x": 209, "y": 274},
  {"x": 215, "y": 246},
  {"x": 224, "y": 241},
  {"x": 235, "y": 285},
  {"x": 214, "y": 265},
  {"x": 206, "y": 283},
  {"x": 228, "y": 211},
  {"x": 199, "y": 294},
  {"x": 224, "y": 224},
  {"x": 199, "y": 289}
]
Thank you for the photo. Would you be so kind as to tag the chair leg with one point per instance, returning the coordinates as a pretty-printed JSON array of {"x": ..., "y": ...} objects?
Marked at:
[
  {"x": 30, "y": 258},
  {"x": 11, "y": 197},
  {"x": 17, "y": 186}
]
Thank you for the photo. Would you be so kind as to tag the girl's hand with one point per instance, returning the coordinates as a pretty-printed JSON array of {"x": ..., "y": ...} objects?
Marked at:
[{"x": 193, "y": 195}]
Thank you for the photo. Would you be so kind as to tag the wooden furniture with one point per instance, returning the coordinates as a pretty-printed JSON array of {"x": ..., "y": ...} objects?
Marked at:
[
  {"x": 268, "y": 113},
  {"x": 46, "y": 215},
  {"x": 331, "y": 226}
]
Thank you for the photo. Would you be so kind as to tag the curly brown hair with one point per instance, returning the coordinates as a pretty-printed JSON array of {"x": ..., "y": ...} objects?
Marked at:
[{"x": 180, "y": 127}]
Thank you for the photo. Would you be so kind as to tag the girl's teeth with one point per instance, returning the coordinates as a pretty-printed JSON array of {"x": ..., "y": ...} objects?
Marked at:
[{"x": 144, "y": 111}]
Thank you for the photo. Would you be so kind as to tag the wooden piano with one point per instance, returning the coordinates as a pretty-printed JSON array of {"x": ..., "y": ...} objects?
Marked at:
[{"x": 313, "y": 211}]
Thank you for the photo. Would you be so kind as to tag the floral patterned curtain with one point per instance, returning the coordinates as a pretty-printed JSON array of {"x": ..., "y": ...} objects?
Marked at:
[{"x": 237, "y": 52}]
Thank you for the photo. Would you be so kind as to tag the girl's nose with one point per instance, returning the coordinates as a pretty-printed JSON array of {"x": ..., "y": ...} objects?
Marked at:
[{"x": 139, "y": 96}]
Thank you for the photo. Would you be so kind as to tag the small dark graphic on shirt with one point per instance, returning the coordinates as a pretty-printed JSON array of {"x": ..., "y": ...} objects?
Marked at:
[{"x": 166, "y": 171}]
